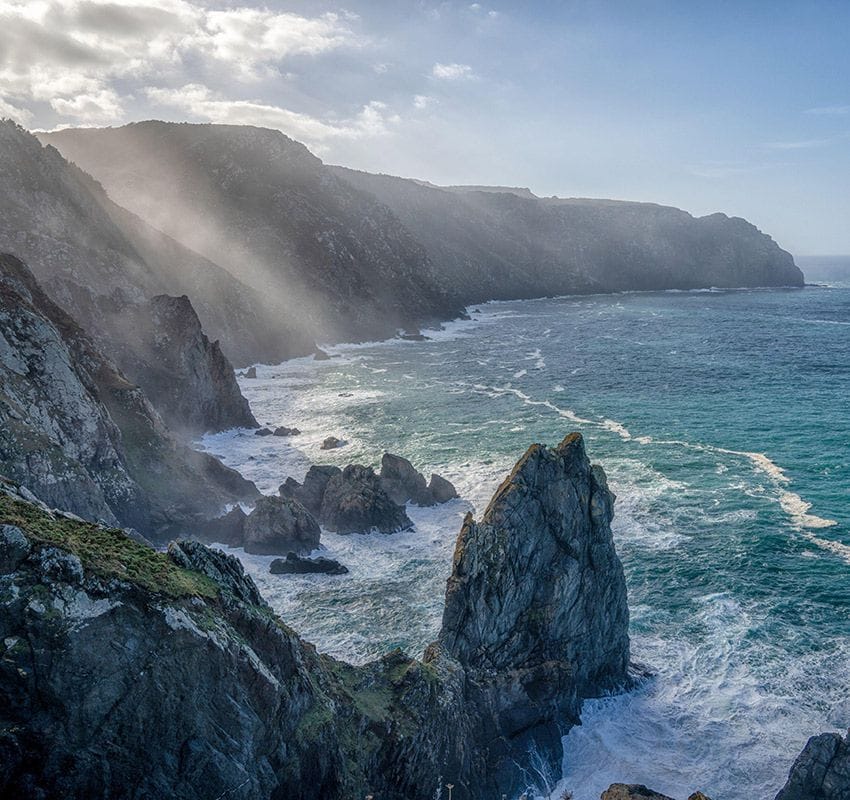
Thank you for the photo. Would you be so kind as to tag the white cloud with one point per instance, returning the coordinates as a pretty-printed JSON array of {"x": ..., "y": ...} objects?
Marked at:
[
  {"x": 421, "y": 101},
  {"x": 20, "y": 115},
  {"x": 374, "y": 119},
  {"x": 74, "y": 54},
  {"x": 452, "y": 72}
]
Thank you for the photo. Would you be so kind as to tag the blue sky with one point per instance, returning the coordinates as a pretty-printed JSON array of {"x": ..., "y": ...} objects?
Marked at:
[{"x": 740, "y": 107}]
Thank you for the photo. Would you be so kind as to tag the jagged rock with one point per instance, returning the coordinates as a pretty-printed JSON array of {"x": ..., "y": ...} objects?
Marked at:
[
  {"x": 278, "y": 525},
  {"x": 403, "y": 482},
  {"x": 331, "y": 443},
  {"x": 225, "y": 570},
  {"x": 355, "y": 502},
  {"x": 159, "y": 344},
  {"x": 295, "y": 565},
  {"x": 228, "y": 529},
  {"x": 85, "y": 439},
  {"x": 311, "y": 492},
  {"x": 263, "y": 432},
  {"x": 251, "y": 372},
  {"x": 284, "y": 431},
  {"x": 440, "y": 489},
  {"x": 821, "y": 771},
  {"x": 536, "y": 610}
]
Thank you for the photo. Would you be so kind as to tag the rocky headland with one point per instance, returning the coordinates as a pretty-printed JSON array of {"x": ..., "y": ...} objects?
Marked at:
[{"x": 204, "y": 689}]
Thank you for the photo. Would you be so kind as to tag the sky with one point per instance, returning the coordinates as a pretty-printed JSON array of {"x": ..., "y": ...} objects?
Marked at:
[{"x": 741, "y": 107}]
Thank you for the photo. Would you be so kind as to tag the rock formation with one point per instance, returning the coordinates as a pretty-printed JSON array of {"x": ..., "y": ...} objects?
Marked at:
[
  {"x": 186, "y": 376},
  {"x": 636, "y": 791},
  {"x": 821, "y": 771},
  {"x": 125, "y": 672},
  {"x": 293, "y": 564},
  {"x": 311, "y": 492},
  {"x": 404, "y": 483},
  {"x": 81, "y": 436},
  {"x": 332, "y": 443},
  {"x": 278, "y": 525}
]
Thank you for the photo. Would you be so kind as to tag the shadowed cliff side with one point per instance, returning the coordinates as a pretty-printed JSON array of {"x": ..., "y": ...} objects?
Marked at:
[
  {"x": 126, "y": 673},
  {"x": 81, "y": 436}
]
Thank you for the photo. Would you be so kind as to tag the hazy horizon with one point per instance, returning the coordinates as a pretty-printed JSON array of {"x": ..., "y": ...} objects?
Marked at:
[{"x": 738, "y": 109}]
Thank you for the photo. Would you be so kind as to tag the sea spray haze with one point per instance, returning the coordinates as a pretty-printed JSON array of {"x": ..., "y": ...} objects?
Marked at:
[{"x": 722, "y": 421}]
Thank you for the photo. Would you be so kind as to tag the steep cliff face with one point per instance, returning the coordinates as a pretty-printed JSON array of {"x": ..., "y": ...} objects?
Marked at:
[
  {"x": 160, "y": 345},
  {"x": 262, "y": 206},
  {"x": 508, "y": 244},
  {"x": 92, "y": 256},
  {"x": 536, "y": 612},
  {"x": 83, "y": 438},
  {"x": 128, "y": 673}
]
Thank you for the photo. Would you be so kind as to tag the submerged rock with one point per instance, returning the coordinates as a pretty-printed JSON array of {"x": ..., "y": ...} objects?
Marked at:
[
  {"x": 284, "y": 431},
  {"x": 331, "y": 443},
  {"x": 320, "y": 355},
  {"x": 295, "y": 565},
  {"x": 278, "y": 525},
  {"x": 354, "y": 501},
  {"x": 263, "y": 432},
  {"x": 821, "y": 771}
]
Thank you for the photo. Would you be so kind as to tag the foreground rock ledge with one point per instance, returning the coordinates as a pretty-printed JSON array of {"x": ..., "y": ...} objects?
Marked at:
[{"x": 128, "y": 673}]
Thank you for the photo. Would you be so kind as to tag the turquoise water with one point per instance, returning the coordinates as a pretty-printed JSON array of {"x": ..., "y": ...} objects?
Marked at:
[{"x": 723, "y": 422}]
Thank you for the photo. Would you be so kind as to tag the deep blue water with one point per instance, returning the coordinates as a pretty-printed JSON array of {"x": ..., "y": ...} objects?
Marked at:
[{"x": 723, "y": 422}]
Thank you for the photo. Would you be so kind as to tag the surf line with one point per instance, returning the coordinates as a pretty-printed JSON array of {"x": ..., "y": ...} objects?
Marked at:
[{"x": 790, "y": 502}]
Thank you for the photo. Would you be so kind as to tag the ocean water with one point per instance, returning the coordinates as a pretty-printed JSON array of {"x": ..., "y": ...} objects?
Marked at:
[{"x": 722, "y": 419}]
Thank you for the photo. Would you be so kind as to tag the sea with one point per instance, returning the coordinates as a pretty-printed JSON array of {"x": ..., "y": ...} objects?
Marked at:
[{"x": 722, "y": 419}]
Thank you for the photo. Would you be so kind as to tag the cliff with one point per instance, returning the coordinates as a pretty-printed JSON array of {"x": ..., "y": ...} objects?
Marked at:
[
  {"x": 92, "y": 257},
  {"x": 355, "y": 255},
  {"x": 821, "y": 771},
  {"x": 81, "y": 436},
  {"x": 127, "y": 673}
]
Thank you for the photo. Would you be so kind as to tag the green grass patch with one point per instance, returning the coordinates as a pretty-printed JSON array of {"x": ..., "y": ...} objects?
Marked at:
[{"x": 107, "y": 552}]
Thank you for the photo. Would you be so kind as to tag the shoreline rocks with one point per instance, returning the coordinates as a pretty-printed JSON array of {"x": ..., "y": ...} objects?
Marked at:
[
  {"x": 293, "y": 564},
  {"x": 332, "y": 443},
  {"x": 404, "y": 483}
]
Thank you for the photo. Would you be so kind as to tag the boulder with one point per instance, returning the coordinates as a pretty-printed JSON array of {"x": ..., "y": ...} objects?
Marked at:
[
  {"x": 821, "y": 771},
  {"x": 279, "y": 525},
  {"x": 355, "y": 502},
  {"x": 631, "y": 791},
  {"x": 441, "y": 490},
  {"x": 311, "y": 492},
  {"x": 293, "y": 564},
  {"x": 14, "y": 548},
  {"x": 403, "y": 482},
  {"x": 263, "y": 432},
  {"x": 331, "y": 443},
  {"x": 284, "y": 431},
  {"x": 251, "y": 372}
]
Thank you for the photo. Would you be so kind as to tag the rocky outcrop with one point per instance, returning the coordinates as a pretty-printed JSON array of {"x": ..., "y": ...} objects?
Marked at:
[
  {"x": 311, "y": 492},
  {"x": 125, "y": 672},
  {"x": 185, "y": 375},
  {"x": 278, "y": 525},
  {"x": 541, "y": 565},
  {"x": 81, "y": 436},
  {"x": 350, "y": 500},
  {"x": 404, "y": 483},
  {"x": 295, "y": 565},
  {"x": 821, "y": 771}
]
